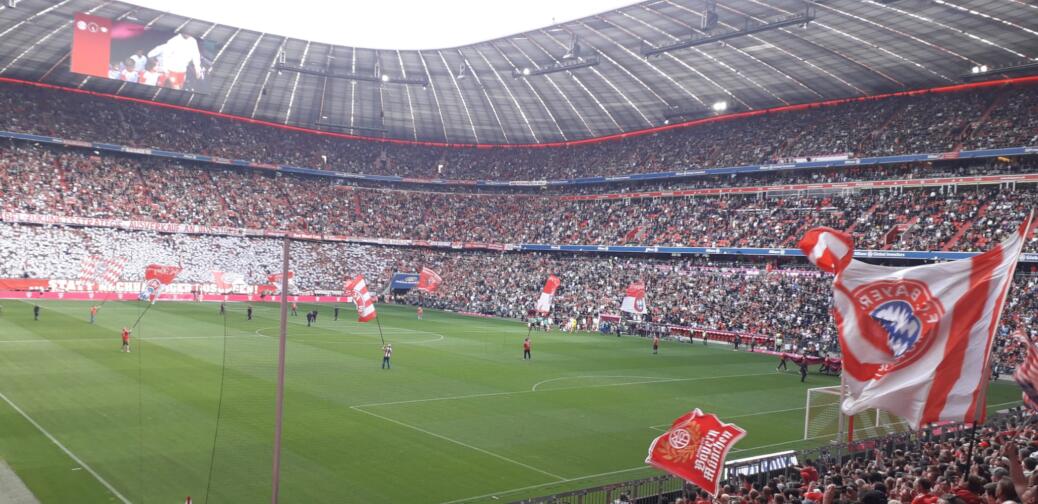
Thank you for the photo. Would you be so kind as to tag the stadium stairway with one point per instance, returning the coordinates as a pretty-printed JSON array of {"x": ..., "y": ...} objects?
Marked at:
[
  {"x": 863, "y": 217},
  {"x": 876, "y": 133},
  {"x": 961, "y": 230},
  {"x": 978, "y": 125},
  {"x": 223, "y": 198}
]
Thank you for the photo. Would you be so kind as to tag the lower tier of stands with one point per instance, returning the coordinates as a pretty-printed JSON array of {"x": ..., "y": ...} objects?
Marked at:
[
  {"x": 788, "y": 300},
  {"x": 958, "y": 215}
]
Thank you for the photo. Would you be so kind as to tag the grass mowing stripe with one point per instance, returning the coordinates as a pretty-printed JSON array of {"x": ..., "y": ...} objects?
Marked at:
[
  {"x": 459, "y": 443},
  {"x": 68, "y": 452},
  {"x": 534, "y": 388}
]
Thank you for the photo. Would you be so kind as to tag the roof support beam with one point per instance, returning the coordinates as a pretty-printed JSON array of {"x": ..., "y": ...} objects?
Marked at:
[{"x": 749, "y": 29}]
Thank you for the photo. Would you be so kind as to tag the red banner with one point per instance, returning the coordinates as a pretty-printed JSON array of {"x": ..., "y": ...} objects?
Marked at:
[
  {"x": 91, "y": 44},
  {"x": 694, "y": 448},
  {"x": 23, "y": 284}
]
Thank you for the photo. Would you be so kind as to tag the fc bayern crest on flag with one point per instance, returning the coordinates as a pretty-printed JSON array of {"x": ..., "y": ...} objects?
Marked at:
[
  {"x": 901, "y": 313},
  {"x": 694, "y": 448}
]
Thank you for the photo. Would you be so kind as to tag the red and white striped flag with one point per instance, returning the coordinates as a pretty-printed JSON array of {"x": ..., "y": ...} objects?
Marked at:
[
  {"x": 547, "y": 294},
  {"x": 429, "y": 280},
  {"x": 113, "y": 270},
  {"x": 88, "y": 268},
  {"x": 358, "y": 290},
  {"x": 1026, "y": 374},
  {"x": 97, "y": 270},
  {"x": 916, "y": 341}
]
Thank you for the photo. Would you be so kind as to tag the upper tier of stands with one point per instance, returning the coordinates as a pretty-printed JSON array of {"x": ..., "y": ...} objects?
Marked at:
[{"x": 923, "y": 123}]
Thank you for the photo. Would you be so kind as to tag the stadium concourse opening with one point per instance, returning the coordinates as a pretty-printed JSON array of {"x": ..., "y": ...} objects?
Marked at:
[{"x": 693, "y": 251}]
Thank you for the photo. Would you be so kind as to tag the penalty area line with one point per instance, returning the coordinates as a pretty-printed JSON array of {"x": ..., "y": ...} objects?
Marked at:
[
  {"x": 66, "y": 450},
  {"x": 459, "y": 443}
]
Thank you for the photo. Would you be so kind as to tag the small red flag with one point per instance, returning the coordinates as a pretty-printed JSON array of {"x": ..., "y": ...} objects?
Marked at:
[
  {"x": 276, "y": 278},
  {"x": 694, "y": 448},
  {"x": 429, "y": 280}
]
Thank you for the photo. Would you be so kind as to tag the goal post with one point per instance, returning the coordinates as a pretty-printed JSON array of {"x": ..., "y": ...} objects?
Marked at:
[{"x": 824, "y": 419}]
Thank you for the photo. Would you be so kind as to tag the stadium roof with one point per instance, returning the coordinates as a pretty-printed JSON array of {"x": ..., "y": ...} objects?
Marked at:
[{"x": 851, "y": 48}]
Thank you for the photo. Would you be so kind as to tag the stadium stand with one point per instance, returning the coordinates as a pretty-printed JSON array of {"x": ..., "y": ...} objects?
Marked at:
[
  {"x": 899, "y": 469},
  {"x": 55, "y": 181},
  {"x": 897, "y": 125},
  {"x": 477, "y": 180}
]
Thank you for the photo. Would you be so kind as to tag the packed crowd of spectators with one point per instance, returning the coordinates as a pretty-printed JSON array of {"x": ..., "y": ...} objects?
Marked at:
[
  {"x": 997, "y": 465},
  {"x": 792, "y": 301},
  {"x": 924, "y": 123},
  {"x": 67, "y": 182},
  {"x": 59, "y": 252}
]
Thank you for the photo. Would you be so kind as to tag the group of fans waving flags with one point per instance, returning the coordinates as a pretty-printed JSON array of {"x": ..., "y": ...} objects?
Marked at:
[{"x": 916, "y": 342}]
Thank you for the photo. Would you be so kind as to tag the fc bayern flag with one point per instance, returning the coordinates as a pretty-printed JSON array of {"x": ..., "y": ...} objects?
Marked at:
[
  {"x": 634, "y": 300},
  {"x": 157, "y": 276},
  {"x": 429, "y": 280},
  {"x": 916, "y": 341},
  {"x": 694, "y": 449},
  {"x": 544, "y": 302},
  {"x": 358, "y": 290}
]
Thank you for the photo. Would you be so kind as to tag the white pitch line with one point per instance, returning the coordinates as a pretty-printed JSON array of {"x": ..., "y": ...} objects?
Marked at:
[
  {"x": 67, "y": 451},
  {"x": 155, "y": 338},
  {"x": 459, "y": 443},
  {"x": 372, "y": 335},
  {"x": 535, "y": 385},
  {"x": 516, "y": 392},
  {"x": 657, "y": 427}
]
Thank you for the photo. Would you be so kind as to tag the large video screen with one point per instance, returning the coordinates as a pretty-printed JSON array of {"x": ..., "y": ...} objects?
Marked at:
[{"x": 132, "y": 52}]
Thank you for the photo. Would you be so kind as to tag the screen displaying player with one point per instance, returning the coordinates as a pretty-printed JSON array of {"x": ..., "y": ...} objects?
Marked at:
[{"x": 141, "y": 55}]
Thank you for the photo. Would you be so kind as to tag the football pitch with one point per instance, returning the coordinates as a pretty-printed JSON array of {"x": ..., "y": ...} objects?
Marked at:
[{"x": 461, "y": 417}]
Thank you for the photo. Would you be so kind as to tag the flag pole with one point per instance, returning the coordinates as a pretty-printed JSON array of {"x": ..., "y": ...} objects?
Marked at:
[
  {"x": 379, "y": 323},
  {"x": 139, "y": 317},
  {"x": 280, "y": 401},
  {"x": 980, "y": 410}
]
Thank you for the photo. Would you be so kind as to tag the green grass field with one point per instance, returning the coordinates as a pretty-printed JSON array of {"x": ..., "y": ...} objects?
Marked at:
[{"x": 460, "y": 417}]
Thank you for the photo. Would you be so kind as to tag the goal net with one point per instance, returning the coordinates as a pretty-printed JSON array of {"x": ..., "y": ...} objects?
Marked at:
[{"x": 823, "y": 418}]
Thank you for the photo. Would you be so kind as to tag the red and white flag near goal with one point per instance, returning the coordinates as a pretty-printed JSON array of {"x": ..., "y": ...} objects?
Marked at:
[
  {"x": 694, "y": 449},
  {"x": 634, "y": 299},
  {"x": 916, "y": 341},
  {"x": 358, "y": 290},
  {"x": 429, "y": 280},
  {"x": 543, "y": 305}
]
